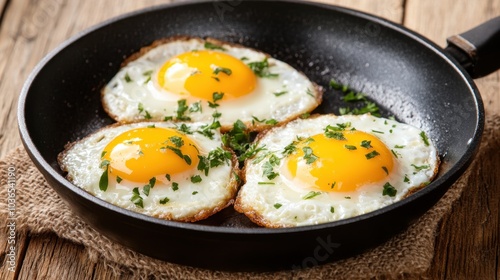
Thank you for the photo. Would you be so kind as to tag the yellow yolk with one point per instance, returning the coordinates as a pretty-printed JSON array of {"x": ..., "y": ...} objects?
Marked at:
[
  {"x": 140, "y": 154},
  {"x": 340, "y": 165},
  {"x": 201, "y": 73}
]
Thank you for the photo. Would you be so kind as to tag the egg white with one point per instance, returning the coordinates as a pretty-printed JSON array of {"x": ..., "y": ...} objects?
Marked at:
[
  {"x": 130, "y": 88},
  {"x": 280, "y": 203},
  {"x": 190, "y": 202}
]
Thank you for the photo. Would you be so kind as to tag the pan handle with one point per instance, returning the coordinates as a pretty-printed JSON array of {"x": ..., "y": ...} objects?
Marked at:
[{"x": 477, "y": 50}]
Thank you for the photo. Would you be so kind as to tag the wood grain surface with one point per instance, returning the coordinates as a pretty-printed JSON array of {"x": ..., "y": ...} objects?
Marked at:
[{"x": 467, "y": 244}]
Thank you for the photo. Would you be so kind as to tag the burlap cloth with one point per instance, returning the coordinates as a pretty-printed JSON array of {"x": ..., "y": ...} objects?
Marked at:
[{"x": 40, "y": 210}]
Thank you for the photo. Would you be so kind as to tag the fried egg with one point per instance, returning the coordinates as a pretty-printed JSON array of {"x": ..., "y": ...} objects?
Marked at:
[
  {"x": 327, "y": 168},
  {"x": 190, "y": 79},
  {"x": 165, "y": 170}
]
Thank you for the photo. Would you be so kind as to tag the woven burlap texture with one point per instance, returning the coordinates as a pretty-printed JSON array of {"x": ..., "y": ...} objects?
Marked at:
[{"x": 40, "y": 210}]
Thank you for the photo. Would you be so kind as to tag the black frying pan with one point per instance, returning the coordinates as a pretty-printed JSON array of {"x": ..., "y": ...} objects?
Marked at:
[{"x": 408, "y": 76}]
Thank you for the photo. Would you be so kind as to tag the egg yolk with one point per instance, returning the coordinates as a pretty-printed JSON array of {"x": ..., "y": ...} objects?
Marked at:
[
  {"x": 340, "y": 165},
  {"x": 201, "y": 73},
  {"x": 140, "y": 154}
]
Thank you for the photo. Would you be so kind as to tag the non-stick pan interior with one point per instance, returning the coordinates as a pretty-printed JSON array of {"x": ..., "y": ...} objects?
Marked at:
[{"x": 403, "y": 73}]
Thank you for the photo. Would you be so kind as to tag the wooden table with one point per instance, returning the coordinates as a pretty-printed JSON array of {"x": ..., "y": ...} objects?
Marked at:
[{"x": 468, "y": 242}]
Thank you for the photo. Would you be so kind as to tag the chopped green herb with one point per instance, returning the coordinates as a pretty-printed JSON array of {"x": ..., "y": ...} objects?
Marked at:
[
  {"x": 385, "y": 170},
  {"x": 152, "y": 182},
  {"x": 195, "y": 107},
  {"x": 136, "y": 198},
  {"x": 195, "y": 179},
  {"x": 118, "y": 179},
  {"x": 265, "y": 183},
  {"x": 127, "y": 78},
  {"x": 353, "y": 96},
  {"x": 211, "y": 46},
  {"x": 308, "y": 155},
  {"x": 146, "y": 189},
  {"x": 224, "y": 70},
  {"x": 332, "y": 209},
  {"x": 168, "y": 118},
  {"x": 406, "y": 179},
  {"x": 335, "y": 85},
  {"x": 261, "y": 69},
  {"x": 424, "y": 138},
  {"x": 237, "y": 177},
  {"x": 195, "y": 192},
  {"x": 268, "y": 171},
  {"x": 277, "y": 205},
  {"x": 151, "y": 126},
  {"x": 185, "y": 128},
  {"x": 175, "y": 186},
  {"x": 140, "y": 107},
  {"x": 252, "y": 150},
  {"x": 398, "y": 147},
  {"x": 422, "y": 167},
  {"x": 305, "y": 116},
  {"x": 178, "y": 152},
  {"x": 396, "y": 154},
  {"x": 309, "y": 92},
  {"x": 377, "y": 131},
  {"x": 280, "y": 93},
  {"x": 103, "y": 154},
  {"x": 337, "y": 135},
  {"x": 389, "y": 190},
  {"x": 270, "y": 121},
  {"x": 244, "y": 58},
  {"x": 164, "y": 200},
  {"x": 181, "y": 109},
  {"x": 347, "y": 197},
  {"x": 177, "y": 141},
  {"x": 366, "y": 144},
  {"x": 104, "y": 163},
  {"x": 216, "y": 96},
  {"x": 311, "y": 194},
  {"x": 167, "y": 176},
  {"x": 290, "y": 148},
  {"x": 350, "y": 147},
  {"x": 371, "y": 154},
  {"x": 103, "y": 181}
]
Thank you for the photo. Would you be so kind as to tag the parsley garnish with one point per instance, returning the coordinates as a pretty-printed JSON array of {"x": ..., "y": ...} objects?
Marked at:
[
  {"x": 178, "y": 142},
  {"x": 399, "y": 146},
  {"x": 385, "y": 170},
  {"x": 118, "y": 179},
  {"x": 140, "y": 107},
  {"x": 167, "y": 176},
  {"x": 175, "y": 186},
  {"x": 269, "y": 122},
  {"x": 290, "y": 148},
  {"x": 268, "y": 171},
  {"x": 389, "y": 190},
  {"x": 224, "y": 70},
  {"x": 216, "y": 96},
  {"x": 311, "y": 194},
  {"x": 238, "y": 139},
  {"x": 147, "y": 74},
  {"x": 277, "y": 205},
  {"x": 280, "y": 93},
  {"x": 377, "y": 131},
  {"x": 195, "y": 192},
  {"x": 350, "y": 147},
  {"x": 178, "y": 152},
  {"x": 181, "y": 109},
  {"x": 406, "y": 179},
  {"x": 137, "y": 198},
  {"x": 396, "y": 154},
  {"x": 127, "y": 78},
  {"x": 424, "y": 138},
  {"x": 103, "y": 181},
  {"x": 337, "y": 135},
  {"x": 371, "y": 155},
  {"x": 265, "y": 183},
  {"x": 164, "y": 200},
  {"x": 211, "y": 46},
  {"x": 305, "y": 116},
  {"x": 308, "y": 155},
  {"x": 335, "y": 85},
  {"x": 332, "y": 209},
  {"x": 185, "y": 128},
  {"x": 195, "y": 107},
  {"x": 366, "y": 144},
  {"x": 195, "y": 179},
  {"x": 422, "y": 167},
  {"x": 146, "y": 189},
  {"x": 215, "y": 158},
  {"x": 261, "y": 69}
]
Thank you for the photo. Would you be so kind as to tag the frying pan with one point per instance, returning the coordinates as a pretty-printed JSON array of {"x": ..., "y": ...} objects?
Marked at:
[{"x": 408, "y": 76}]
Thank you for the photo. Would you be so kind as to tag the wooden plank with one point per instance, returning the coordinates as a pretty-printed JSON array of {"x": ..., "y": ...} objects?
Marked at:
[
  {"x": 467, "y": 246},
  {"x": 437, "y": 20},
  {"x": 388, "y": 9}
]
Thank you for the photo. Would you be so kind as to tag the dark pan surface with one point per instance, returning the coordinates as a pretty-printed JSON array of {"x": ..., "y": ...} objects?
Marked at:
[{"x": 409, "y": 77}]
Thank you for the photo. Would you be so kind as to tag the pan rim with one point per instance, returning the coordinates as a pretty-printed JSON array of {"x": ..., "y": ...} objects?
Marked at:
[{"x": 447, "y": 178}]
